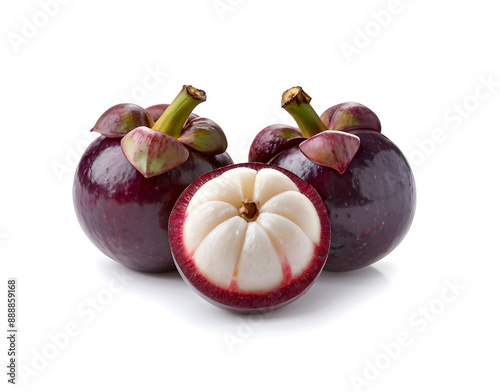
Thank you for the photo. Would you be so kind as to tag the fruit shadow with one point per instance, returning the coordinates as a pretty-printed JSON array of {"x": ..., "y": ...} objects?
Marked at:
[
  {"x": 168, "y": 291},
  {"x": 337, "y": 292},
  {"x": 156, "y": 287},
  {"x": 333, "y": 294}
]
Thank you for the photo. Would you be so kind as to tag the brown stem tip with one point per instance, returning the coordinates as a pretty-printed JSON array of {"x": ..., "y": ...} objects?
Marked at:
[
  {"x": 195, "y": 93},
  {"x": 294, "y": 93}
]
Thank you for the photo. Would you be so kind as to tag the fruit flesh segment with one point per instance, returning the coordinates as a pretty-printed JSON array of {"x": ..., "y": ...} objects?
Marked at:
[{"x": 251, "y": 256}]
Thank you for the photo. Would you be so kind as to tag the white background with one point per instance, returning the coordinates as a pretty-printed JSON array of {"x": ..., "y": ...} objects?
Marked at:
[{"x": 421, "y": 65}]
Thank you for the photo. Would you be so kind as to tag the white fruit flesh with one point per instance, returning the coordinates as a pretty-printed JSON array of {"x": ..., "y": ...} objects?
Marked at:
[{"x": 251, "y": 256}]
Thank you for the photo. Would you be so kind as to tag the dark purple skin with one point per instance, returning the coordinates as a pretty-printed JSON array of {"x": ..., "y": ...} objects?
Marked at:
[
  {"x": 125, "y": 214},
  {"x": 370, "y": 206},
  {"x": 272, "y": 140}
]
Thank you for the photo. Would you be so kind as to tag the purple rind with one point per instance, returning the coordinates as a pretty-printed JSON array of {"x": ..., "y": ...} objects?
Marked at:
[
  {"x": 370, "y": 206},
  {"x": 124, "y": 214}
]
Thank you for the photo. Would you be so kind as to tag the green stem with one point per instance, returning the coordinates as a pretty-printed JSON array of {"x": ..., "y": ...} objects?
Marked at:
[
  {"x": 296, "y": 102},
  {"x": 174, "y": 117}
]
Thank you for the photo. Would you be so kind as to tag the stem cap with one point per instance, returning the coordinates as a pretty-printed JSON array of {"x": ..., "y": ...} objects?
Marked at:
[
  {"x": 349, "y": 116},
  {"x": 334, "y": 149},
  {"x": 120, "y": 119},
  {"x": 152, "y": 152},
  {"x": 204, "y": 135}
]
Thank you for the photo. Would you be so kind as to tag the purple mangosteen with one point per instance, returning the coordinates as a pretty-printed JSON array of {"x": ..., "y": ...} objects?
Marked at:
[
  {"x": 129, "y": 179},
  {"x": 363, "y": 178}
]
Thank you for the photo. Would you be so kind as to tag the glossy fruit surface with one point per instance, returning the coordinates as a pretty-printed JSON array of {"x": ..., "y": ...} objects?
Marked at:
[
  {"x": 125, "y": 214},
  {"x": 128, "y": 180},
  {"x": 363, "y": 178},
  {"x": 370, "y": 206},
  {"x": 249, "y": 237},
  {"x": 272, "y": 140}
]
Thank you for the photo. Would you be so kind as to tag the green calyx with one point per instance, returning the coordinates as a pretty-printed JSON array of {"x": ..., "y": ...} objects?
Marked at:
[
  {"x": 172, "y": 121},
  {"x": 325, "y": 147}
]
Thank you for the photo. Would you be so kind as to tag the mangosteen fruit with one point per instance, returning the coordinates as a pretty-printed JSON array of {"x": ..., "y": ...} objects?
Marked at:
[
  {"x": 130, "y": 177},
  {"x": 363, "y": 178},
  {"x": 249, "y": 237}
]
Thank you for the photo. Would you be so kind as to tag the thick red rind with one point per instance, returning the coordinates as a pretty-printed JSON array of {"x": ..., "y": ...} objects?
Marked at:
[{"x": 245, "y": 302}]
